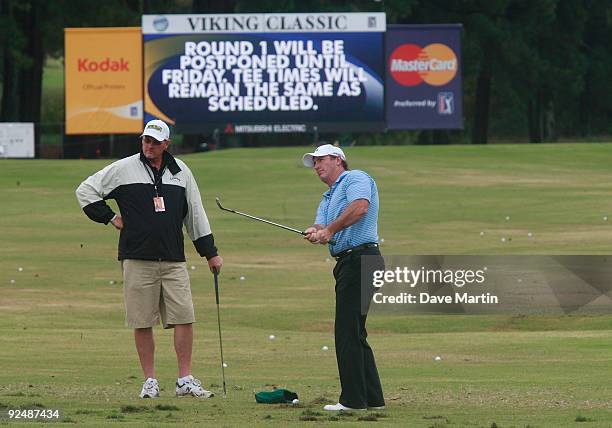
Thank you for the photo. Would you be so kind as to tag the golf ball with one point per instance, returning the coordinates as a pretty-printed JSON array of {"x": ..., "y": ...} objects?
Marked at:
[
  {"x": 382, "y": 240},
  {"x": 111, "y": 282},
  {"x": 224, "y": 364},
  {"x": 12, "y": 281},
  {"x": 271, "y": 337},
  {"x": 605, "y": 218},
  {"x": 507, "y": 218},
  {"x": 242, "y": 278},
  {"x": 328, "y": 260},
  {"x": 481, "y": 233},
  {"x": 437, "y": 358},
  {"x": 192, "y": 267},
  {"x": 20, "y": 269},
  {"x": 530, "y": 234},
  {"x": 295, "y": 402},
  {"x": 503, "y": 239},
  {"x": 324, "y": 348}
]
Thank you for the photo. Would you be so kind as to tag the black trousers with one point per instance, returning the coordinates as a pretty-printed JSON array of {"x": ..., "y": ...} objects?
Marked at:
[{"x": 359, "y": 378}]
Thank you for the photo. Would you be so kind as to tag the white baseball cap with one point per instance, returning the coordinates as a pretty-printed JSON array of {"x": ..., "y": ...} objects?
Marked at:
[
  {"x": 321, "y": 151},
  {"x": 157, "y": 129}
]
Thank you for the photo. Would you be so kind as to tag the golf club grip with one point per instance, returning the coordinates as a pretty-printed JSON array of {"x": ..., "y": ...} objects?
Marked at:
[{"x": 216, "y": 274}]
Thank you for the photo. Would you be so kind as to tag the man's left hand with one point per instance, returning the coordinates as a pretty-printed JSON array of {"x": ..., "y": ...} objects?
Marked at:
[
  {"x": 215, "y": 264},
  {"x": 323, "y": 236}
]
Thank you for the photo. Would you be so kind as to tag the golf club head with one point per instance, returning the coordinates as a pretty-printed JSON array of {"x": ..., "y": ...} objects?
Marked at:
[{"x": 218, "y": 201}]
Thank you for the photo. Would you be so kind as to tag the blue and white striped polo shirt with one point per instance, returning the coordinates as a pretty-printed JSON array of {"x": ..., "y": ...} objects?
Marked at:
[{"x": 350, "y": 186}]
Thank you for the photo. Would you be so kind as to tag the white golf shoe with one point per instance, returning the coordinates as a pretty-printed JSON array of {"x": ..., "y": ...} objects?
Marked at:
[
  {"x": 338, "y": 407},
  {"x": 150, "y": 389},
  {"x": 192, "y": 388}
]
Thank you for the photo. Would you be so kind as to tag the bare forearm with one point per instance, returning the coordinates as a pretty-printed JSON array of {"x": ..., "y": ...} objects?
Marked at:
[{"x": 353, "y": 213}]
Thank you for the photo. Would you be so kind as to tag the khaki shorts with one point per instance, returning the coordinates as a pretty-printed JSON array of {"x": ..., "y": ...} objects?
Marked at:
[{"x": 155, "y": 290}]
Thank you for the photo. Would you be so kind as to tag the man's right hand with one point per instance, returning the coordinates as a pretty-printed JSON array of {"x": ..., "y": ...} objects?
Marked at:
[
  {"x": 117, "y": 222},
  {"x": 310, "y": 236},
  {"x": 215, "y": 264}
]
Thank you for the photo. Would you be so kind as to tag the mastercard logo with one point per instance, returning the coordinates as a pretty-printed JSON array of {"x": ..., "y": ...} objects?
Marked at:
[{"x": 411, "y": 65}]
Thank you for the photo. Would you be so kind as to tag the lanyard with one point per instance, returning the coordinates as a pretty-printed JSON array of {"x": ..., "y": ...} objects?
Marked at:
[{"x": 152, "y": 177}]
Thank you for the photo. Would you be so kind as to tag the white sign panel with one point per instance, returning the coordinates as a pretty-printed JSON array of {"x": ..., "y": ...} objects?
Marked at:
[
  {"x": 16, "y": 140},
  {"x": 264, "y": 23}
]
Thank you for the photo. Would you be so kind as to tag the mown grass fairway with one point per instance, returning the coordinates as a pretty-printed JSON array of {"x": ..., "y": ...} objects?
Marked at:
[{"x": 63, "y": 344}]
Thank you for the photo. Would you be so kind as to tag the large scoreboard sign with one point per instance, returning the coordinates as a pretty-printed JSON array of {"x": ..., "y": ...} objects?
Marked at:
[{"x": 265, "y": 72}]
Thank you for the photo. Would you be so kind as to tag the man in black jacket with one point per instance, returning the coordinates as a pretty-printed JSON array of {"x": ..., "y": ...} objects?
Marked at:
[{"x": 156, "y": 194}]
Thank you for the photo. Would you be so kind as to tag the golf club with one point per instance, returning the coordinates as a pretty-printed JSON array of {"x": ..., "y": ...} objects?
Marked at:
[
  {"x": 291, "y": 229},
  {"x": 216, "y": 274}
]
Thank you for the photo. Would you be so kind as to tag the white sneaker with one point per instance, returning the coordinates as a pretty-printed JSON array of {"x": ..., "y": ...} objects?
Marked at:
[
  {"x": 192, "y": 387},
  {"x": 337, "y": 407},
  {"x": 150, "y": 389}
]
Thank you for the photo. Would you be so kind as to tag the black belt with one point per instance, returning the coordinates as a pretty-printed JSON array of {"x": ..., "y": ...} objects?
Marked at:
[{"x": 345, "y": 253}]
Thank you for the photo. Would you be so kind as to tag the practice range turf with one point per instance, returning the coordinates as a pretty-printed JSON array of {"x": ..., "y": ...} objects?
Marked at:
[{"x": 63, "y": 344}]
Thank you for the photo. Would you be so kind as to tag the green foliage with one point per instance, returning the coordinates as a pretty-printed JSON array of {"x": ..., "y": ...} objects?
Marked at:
[
  {"x": 52, "y": 108},
  {"x": 549, "y": 60}
]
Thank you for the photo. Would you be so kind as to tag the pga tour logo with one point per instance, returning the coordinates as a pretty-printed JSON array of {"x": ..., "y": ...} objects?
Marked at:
[
  {"x": 446, "y": 103},
  {"x": 161, "y": 23}
]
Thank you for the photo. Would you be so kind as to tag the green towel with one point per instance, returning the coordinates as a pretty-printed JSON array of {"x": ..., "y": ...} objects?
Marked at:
[{"x": 275, "y": 397}]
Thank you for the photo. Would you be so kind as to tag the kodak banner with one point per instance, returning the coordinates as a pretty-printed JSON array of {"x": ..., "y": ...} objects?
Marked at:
[{"x": 103, "y": 80}]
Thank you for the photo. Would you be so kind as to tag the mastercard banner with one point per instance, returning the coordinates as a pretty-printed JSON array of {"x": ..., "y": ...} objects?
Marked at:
[
  {"x": 103, "y": 80},
  {"x": 423, "y": 77}
]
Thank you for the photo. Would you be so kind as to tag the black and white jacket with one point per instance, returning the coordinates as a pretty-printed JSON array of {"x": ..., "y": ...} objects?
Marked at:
[{"x": 146, "y": 234}]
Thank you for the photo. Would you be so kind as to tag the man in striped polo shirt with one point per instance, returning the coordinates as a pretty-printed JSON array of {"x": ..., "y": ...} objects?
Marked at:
[{"x": 347, "y": 220}]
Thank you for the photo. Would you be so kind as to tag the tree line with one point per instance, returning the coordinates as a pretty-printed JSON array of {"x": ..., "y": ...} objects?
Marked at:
[{"x": 532, "y": 69}]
